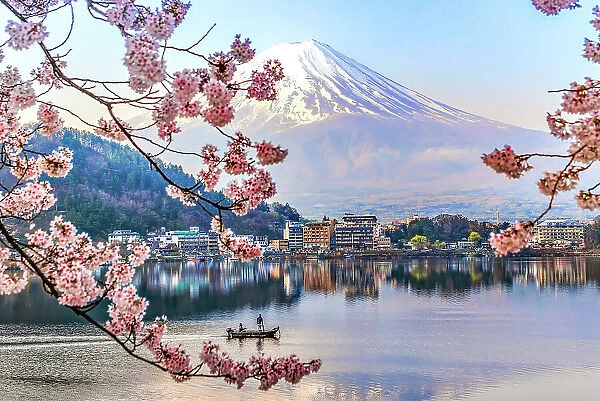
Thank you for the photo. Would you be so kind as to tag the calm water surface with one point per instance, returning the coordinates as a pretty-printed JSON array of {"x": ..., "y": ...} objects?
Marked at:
[{"x": 419, "y": 329}]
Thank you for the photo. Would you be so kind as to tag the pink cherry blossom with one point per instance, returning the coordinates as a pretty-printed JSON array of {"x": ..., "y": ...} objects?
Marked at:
[
  {"x": 22, "y": 96},
  {"x": 12, "y": 281},
  {"x": 166, "y": 129},
  {"x": 588, "y": 200},
  {"x": 591, "y": 51},
  {"x": 137, "y": 254},
  {"x": 191, "y": 110},
  {"x": 185, "y": 85},
  {"x": 236, "y": 158},
  {"x": 110, "y": 129},
  {"x": 63, "y": 232},
  {"x": 25, "y": 168},
  {"x": 58, "y": 163},
  {"x": 152, "y": 335},
  {"x": 24, "y": 34},
  {"x": 222, "y": 66},
  {"x": 552, "y": 7},
  {"x": 241, "y": 51},
  {"x": 124, "y": 14},
  {"x": 596, "y": 21},
  {"x": 39, "y": 239},
  {"x": 218, "y": 116},
  {"x": 267, "y": 153},
  {"x": 210, "y": 178},
  {"x": 506, "y": 162},
  {"x": 557, "y": 182},
  {"x": 185, "y": 197},
  {"x": 270, "y": 371},
  {"x": 176, "y": 361},
  {"x": 239, "y": 247},
  {"x": 49, "y": 120},
  {"x": 119, "y": 273},
  {"x": 512, "y": 239},
  {"x": 216, "y": 93},
  {"x": 126, "y": 311},
  {"x": 581, "y": 99},
  {"x": 143, "y": 61},
  {"x": 558, "y": 125},
  {"x": 45, "y": 74},
  {"x": 160, "y": 25},
  {"x": 177, "y": 9},
  {"x": 28, "y": 200}
]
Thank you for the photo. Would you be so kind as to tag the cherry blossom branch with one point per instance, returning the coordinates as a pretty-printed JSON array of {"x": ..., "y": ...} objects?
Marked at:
[
  {"x": 584, "y": 151},
  {"x": 68, "y": 262}
]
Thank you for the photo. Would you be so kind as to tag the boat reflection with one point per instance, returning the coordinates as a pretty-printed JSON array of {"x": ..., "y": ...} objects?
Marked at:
[{"x": 185, "y": 290}]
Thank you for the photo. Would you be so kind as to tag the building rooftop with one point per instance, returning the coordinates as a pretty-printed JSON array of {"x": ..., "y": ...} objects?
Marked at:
[{"x": 560, "y": 223}]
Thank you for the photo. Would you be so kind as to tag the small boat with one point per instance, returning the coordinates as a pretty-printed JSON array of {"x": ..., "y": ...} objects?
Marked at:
[{"x": 273, "y": 333}]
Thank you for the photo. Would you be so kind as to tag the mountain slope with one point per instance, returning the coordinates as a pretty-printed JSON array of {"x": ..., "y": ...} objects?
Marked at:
[
  {"x": 111, "y": 187},
  {"x": 360, "y": 142},
  {"x": 322, "y": 83}
]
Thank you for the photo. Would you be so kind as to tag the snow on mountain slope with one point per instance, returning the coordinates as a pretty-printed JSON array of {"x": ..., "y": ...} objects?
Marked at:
[
  {"x": 360, "y": 142},
  {"x": 321, "y": 83}
]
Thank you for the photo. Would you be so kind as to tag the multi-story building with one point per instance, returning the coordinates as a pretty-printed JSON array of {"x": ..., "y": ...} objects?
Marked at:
[
  {"x": 411, "y": 219},
  {"x": 383, "y": 243},
  {"x": 186, "y": 241},
  {"x": 357, "y": 232},
  {"x": 208, "y": 242},
  {"x": 560, "y": 232},
  {"x": 293, "y": 233},
  {"x": 317, "y": 236},
  {"x": 353, "y": 237},
  {"x": 192, "y": 241},
  {"x": 360, "y": 219},
  {"x": 262, "y": 241},
  {"x": 122, "y": 237},
  {"x": 280, "y": 244}
]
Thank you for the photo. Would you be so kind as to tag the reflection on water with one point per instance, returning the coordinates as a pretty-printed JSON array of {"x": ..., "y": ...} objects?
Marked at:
[
  {"x": 190, "y": 290},
  {"x": 405, "y": 329}
]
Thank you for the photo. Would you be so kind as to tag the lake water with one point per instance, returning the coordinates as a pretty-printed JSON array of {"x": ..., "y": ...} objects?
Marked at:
[{"x": 414, "y": 329}]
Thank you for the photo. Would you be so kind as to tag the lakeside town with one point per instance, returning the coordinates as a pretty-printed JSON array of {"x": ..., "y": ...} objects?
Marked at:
[{"x": 362, "y": 235}]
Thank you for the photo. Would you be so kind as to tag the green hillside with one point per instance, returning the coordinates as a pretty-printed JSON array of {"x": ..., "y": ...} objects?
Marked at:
[{"x": 112, "y": 187}]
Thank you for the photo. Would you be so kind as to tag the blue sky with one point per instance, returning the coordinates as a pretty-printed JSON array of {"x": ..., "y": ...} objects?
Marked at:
[
  {"x": 493, "y": 58},
  {"x": 497, "y": 58}
]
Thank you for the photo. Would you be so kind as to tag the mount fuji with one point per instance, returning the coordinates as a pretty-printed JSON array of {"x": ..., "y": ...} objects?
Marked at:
[
  {"x": 360, "y": 142},
  {"x": 322, "y": 84}
]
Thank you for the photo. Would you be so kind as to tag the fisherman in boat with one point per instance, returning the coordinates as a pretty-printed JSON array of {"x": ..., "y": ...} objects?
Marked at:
[
  {"x": 260, "y": 323},
  {"x": 241, "y": 328}
]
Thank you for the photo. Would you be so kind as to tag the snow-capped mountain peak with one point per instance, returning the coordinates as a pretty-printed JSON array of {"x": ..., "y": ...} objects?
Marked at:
[
  {"x": 361, "y": 142},
  {"x": 321, "y": 83}
]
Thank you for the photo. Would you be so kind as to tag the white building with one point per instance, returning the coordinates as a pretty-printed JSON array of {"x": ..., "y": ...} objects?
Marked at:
[
  {"x": 560, "y": 232},
  {"x": 293, "y": 233},
  {"x": 122, "y": 237}
]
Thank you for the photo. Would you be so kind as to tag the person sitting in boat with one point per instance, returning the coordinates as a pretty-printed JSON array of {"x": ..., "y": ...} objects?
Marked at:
[
  {"x": 241, "y": 328},
  {"x": 260, "y": 323}
]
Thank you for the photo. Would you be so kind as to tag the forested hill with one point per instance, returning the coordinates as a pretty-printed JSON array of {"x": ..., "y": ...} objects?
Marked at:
[{"x": 112, "y": 187}]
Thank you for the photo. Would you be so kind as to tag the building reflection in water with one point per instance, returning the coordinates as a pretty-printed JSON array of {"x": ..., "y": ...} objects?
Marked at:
[
  {"x": 445, "y": 276},
  {"x": 188, "y": 290},
  {"x": 352, "y": 278}
]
